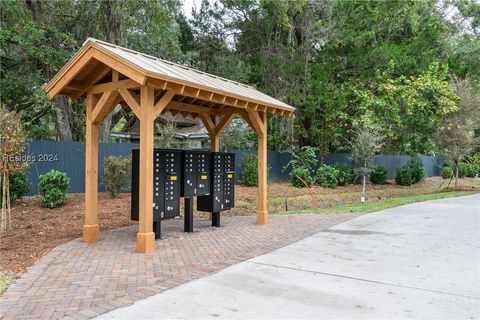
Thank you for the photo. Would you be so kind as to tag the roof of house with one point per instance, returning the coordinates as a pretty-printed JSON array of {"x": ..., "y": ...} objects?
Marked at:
[{"x": 141, "y": 67}]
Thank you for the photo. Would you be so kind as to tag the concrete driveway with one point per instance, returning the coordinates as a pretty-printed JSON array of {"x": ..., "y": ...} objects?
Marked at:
[{"x": 416, "y": 261}]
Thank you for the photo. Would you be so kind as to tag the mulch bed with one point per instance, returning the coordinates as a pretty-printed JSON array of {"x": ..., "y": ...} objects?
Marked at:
[{"x": 37, "y": 230}]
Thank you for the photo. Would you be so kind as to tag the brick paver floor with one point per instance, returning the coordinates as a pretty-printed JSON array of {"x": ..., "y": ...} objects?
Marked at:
[{"x": 81, "y": 281}]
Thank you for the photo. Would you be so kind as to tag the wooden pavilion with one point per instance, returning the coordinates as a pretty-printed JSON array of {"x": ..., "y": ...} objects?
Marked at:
[{"x": 108, "y": 75}]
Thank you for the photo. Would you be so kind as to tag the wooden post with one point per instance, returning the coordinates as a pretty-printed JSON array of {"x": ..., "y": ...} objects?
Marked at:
[
  {"x": 145, "y": 235},
  {"x": 91, "y": 230},
  {"x": 262, "y": 210}
]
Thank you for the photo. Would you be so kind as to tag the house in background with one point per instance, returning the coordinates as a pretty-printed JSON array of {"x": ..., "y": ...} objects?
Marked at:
[{"x": 177, "y": 131}]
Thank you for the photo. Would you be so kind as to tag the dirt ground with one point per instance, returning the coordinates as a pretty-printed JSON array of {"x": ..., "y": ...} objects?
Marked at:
[{"x": 36, "y": 230}]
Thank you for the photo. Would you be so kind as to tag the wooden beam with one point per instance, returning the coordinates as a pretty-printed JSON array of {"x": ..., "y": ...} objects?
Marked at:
[
  {"x": 162, "y": 103},
  {"x": 104, "y": 106},
  {"x": 209, "y": 123},
  {"x": 68, "y": 74},
  {"x": 246, "y": 117},
  {"x": 180, "y": 106},
  {"x": 93, "y": 77},
  {"x": 262, "y": 210},
  {"x": 256, "y": 121},
  {"x": 114, "y": 76},
  {"x": 132, "y": 100},
  {"x": 227, "y": 118},
  {"x": 145, "y": 236},
  {"x": 115, "y": 63},
  {"x": 75, "y": 85},
  {"x": 91, "y": 230},
  {"x": 115, "y": 85}
]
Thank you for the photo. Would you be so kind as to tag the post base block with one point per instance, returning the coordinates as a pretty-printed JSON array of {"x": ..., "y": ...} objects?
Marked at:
[
  {"x": 145, "y": 242},
  {"x": 209, "y": 216},
  {"x": 262, "y": 217},
  {"x": 91, "y": 233}
]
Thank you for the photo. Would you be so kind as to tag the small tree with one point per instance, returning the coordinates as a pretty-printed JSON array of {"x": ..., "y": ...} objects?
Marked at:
[
  {"x": 456, "y": 134},
  {"x": 12, "y": 144},
  {"x": 365, "y": 144}
]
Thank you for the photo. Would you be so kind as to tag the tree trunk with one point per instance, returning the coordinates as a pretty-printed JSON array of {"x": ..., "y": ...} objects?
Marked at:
[
  {"x": 364, "y": 190},
  {"x": 63, "y": 123},
  {"x": 456, "y": 174}
]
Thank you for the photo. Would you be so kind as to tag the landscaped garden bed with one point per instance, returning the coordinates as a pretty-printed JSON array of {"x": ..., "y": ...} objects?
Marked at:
[{"x": 37, "y": 230}]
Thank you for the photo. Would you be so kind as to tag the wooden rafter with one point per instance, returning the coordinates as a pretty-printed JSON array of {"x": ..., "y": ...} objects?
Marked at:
[
  {"x": 93, "y": 77},
  {"x": 162, "y": 103},
  {"x": 104, "y": 106},
  {"x": 132, "y": 100}
]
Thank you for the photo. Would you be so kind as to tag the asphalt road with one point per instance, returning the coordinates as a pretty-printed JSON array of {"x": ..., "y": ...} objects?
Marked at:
[{"x": 416, "y": 261}]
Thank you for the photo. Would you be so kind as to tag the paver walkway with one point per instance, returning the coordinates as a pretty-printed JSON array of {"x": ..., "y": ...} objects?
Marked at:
[
  {"x": 81, "y": 281},
  {"x": 419, "y": 261}
]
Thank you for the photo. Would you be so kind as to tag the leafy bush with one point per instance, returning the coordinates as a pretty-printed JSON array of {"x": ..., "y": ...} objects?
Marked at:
[
  {"x": 447, "y": 173},
  {"x": 404, "y": 176},
  {"x": 52, "y": 187},
  {"x": 303, "y": 173},
  {"x": 468, "y": 170},
  {"x": 379, "y": 175},
  {"x": 115, "y": 172},
  {"x": 345, "y": 173},
  {"x": 326, "y": 177},
  {"x": 249, "y": 174},
  {"x": 416, "y": 166},
  {"x": 306, "y": 158},
  {"x": 19, "y": 186}
]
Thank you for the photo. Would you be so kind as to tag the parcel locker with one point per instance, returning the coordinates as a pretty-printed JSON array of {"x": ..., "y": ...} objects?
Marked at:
[
  {"x": 196, "y": 173},
  {"x": 166, "y": 184},
  {"x": 222, "y": 184}
]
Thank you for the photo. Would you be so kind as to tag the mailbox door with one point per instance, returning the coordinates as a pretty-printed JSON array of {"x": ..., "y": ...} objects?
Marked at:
[
  {"x": 189, "y": 174},
  {"x": 218, "y": 184},
  {"x": 229, "y": 160},
  {"x": 172, "y": 196},
  {"x": 158, "y": 186},
  {"x": 228, "y": 190},
  {"x": 203, "y": 173}
]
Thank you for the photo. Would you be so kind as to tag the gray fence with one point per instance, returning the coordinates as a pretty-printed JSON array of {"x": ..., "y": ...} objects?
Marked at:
[{"x": 69, "y": 157}]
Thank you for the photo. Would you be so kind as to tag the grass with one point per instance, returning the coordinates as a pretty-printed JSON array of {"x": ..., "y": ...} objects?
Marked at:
[
  {"x": 380, "y": 204},
  {"x": 475, "y": 184},
  {"x": 6, "y": 279}
]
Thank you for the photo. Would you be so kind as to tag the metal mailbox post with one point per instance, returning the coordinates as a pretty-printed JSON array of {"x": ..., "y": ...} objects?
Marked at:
[
  {"x": 222, "y": 196},
  {"x": 166, "y": 186},
  {"x": 195, "y": 181}
]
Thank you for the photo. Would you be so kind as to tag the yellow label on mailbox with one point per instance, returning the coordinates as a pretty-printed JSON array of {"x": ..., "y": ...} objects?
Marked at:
[
  {"x": 229, "y": 176},
  {"x": 173, "y": 178},
  {"x": 203, "y": 177}
]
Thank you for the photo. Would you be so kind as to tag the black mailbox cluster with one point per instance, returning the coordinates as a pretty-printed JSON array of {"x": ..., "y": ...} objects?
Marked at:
[
  {"x": 222, "y": 185},
  {"x": 206, "y": 175},
  {"x": 196, "y": 173},
  {"x": 166, "y": 186}
]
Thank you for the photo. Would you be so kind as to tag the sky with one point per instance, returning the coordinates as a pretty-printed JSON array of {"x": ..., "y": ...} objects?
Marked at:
[{"x": 188, "y": 5}]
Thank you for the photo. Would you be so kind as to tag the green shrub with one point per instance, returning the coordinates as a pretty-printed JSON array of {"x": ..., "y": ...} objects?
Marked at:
[
  {"x": 468, "y": 170},
  {"x": 326, "y": 177},
  {"x": 19, "y": 186},
  {"x": 416, "y": 166},
  {"x": 52, "y": 187},
  {"x": 249, "y": 174},
  {"x": 345, "y": 173},
  {"x": 115, "y": 172},
  {"x": 379, "y": 175},
  {"x": 447, "y": 173},
  {"x": 404, "y": 176},
  {"x": 303, "y": 173}
]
